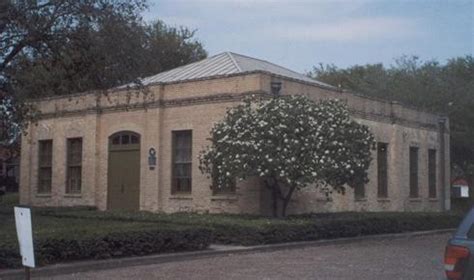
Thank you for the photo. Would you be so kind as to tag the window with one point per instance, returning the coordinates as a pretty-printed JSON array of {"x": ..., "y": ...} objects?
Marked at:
[
  {"x": 382, "y": 170},
  {"x": 45, "y": 160},
  {"x": 125, "y": 138},
  {"x": 432, "y": 173},
  {"x": 74, "y": 165},
  {"x": 470, "y": 233},
  {"x": 182, "y": 161},
  {"x": 413, "y": 172}
]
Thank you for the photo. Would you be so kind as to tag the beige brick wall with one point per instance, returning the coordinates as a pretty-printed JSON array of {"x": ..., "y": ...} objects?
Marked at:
[
  {"x": 59, "y": 130},
  {"x": 95, "y": 117},
  {"x": 391, "y": 123},
  {"x": 399, "y": 139}
]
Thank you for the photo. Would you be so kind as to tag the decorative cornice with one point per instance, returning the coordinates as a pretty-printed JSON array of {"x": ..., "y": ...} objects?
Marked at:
[
  {"x": 188, "y": 101},
  {"x": 329, "y": 88},
  {"x": 391, "y": 119},
  {"x": 215, "y": 77},
  {"x": 223, "y": 98}
]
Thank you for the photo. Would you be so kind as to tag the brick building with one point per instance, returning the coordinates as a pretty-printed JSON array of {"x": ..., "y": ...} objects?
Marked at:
[{"x": 137, "y": 149}]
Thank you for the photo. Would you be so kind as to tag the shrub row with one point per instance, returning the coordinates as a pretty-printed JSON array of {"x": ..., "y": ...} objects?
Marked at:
[
  {"x": 110, "y": 245},
  {"x": 315, "y": 229},
  {"x": 252, "y": 230},
  {"x": 9, "y": 210}
]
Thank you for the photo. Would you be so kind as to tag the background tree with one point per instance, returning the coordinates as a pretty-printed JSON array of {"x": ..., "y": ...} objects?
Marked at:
[
  {"x": 290, "y": 142},
  {"x": 57, "y": 47},
  {"x": 115, "y": 52},
  {"x": 442, "y": 88}
]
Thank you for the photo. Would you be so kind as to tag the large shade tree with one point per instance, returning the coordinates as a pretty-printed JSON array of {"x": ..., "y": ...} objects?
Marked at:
[
  {"x": 291, "y": 142},
  {"x": 57, "y": 47},
  {"x": 32, "y": 30}
]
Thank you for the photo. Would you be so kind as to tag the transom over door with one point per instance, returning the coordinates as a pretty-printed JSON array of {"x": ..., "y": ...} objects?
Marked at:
[{"x": 124, "y": 171}]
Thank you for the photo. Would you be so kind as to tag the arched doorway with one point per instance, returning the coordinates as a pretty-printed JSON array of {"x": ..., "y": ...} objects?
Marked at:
[{"x": 124, "y": 171}]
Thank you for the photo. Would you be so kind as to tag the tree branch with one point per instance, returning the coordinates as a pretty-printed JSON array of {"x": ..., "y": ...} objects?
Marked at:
[{"x": 12, "y": 54}]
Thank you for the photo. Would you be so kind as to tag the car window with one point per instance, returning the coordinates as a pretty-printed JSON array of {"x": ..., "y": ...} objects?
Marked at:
[
  {"x": 470, "y": 233},
  {"x": 466, "y": 228}
]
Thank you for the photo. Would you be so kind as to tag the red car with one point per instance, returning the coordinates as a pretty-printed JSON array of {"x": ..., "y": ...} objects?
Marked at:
[{"x": 459, "y": 254}]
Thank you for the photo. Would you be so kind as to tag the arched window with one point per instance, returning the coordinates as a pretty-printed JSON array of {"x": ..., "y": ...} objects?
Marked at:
[{"x": 125, "y": 138}]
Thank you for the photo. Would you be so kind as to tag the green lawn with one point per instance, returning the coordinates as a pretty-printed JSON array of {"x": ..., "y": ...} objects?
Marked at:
[
  {"x": 46, "y": 226},
  {"x": 89, "y": 234}
]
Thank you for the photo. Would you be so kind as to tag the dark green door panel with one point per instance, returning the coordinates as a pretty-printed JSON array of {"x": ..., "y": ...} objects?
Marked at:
[{"x": 123, "y": 177}]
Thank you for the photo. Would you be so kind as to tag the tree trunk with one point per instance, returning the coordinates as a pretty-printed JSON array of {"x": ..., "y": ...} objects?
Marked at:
[
  {"x": 285, "y": 205},
  {"x": 272, "y": 185},
  {"x": 286, "y": 200},
  {"x": 277, "y": 196},
  {"x": 275, "y": 203}
]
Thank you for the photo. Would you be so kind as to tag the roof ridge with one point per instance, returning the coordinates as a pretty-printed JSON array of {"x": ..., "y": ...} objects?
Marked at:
[
  {"x": 182, "y": 66},
  {"x": 269, "y": 62},
  {"x": 231, "y": 56}
]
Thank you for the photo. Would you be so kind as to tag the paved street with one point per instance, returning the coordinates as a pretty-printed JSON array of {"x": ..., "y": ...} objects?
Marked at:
[{"x": 414, "y": 258}]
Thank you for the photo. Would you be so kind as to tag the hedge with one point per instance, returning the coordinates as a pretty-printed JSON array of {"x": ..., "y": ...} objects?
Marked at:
[
  {"x": 317, "y": 228},
  {"x": 253, "y": 230},
  {"x": 110, "y": 245}
]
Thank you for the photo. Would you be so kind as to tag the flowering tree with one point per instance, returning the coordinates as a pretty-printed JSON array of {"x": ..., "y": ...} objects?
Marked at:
[{"x": 291, "y": 142}]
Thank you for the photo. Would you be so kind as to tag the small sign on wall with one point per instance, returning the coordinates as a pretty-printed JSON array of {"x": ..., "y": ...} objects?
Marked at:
[
  {"x": 25, "y": 235},
  {"x": 152, "y": 158}
]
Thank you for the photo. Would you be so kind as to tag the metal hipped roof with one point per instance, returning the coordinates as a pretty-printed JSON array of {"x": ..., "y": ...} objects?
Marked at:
[{"x": 226, "y": 63}]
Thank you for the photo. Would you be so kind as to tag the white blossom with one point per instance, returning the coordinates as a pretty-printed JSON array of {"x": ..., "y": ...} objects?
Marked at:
[{"x": 265, "y": 138}]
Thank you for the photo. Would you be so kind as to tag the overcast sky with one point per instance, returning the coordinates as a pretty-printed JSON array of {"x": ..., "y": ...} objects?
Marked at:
[{"x": 301, "y": 33}]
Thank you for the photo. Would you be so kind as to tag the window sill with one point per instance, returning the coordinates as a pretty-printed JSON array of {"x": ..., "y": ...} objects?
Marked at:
[
  {"x": 230, "y": 197},
  {"x": 383, "y": 199},
  {"x": 44, "y": 195},
  {"x": 362, "y": 199},
  {"x": 433, "y": 200},
  {"x": 73, "y": 195},
  {"x": 414, "y": 199},
  {"x": 181, "y": 196}
]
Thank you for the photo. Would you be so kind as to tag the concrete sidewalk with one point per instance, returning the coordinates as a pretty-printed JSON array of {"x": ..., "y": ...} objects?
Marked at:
[{"x": 214, "y": 250}]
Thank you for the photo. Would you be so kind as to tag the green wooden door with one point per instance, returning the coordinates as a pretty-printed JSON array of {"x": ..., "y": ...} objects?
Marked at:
[{"x": 124, "y": 172}]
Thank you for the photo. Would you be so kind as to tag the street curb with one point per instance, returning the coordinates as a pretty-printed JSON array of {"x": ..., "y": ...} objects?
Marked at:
[{"x": 83, "y": 266}]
